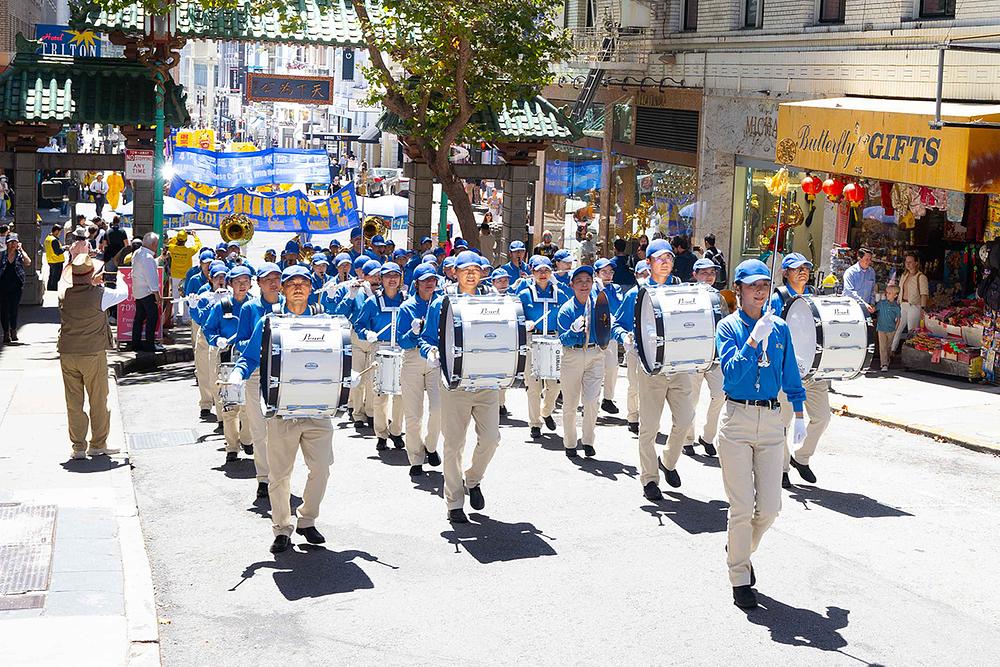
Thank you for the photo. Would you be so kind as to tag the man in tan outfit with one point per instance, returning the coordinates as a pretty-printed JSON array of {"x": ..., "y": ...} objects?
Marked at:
[{"x": 84, "y": 337}]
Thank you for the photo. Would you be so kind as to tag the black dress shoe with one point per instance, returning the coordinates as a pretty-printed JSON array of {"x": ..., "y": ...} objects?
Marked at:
[
  {"x": 571, "y": 454},
  {"x": 536, "y": 432},
  {"x": 589, "y": 451},
  {"x": 503, "y": 411},
  {"x": 157, "y": 348},
  {"x": 262, "y": 489},
  {"x": 688, "y": 450},
  {"x": 360, "y": 423},
  {"x": 281, "y": 543},
  {"x": 709, "y": 447},
  {"x": 381, "y": 445},
  {"x": 457, "y": 516},
  {"x": 609, "y": 406},
  {"x": 672, "y": 477},
  {"x": 550, "y": 423},
  {"x": 804, "y": 471},
  {"x": 652, "y": 492},
  {"x": 371, "y": 422},
  {"x": 218, "y": 428},
  {"x": 433, "y": 459},
  {"x": 232, "y": 456},
  {"x": 397, "y": 441},
  {"x": 205, "y": 413},
  {"x": 634, "y": 427},
  {"x": 753, "y": 577},
  {"x": 312, "y": 535},
  {"x": 744, "y": 597},
  {"x": 786, "y": 482},
  {"x": 248, "y": 449},
  {"x": 476, "y": 498},
  {"x": 416, "y": 471}
]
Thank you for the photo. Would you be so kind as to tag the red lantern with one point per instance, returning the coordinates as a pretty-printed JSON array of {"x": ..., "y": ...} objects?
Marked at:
[
  {"x": 833, "y": 187},
  {"x": 854, "y": 194},
  {"x": 811, "y": 186}
]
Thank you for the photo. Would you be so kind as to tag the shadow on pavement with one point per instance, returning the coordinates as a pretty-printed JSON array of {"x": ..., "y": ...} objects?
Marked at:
[
  {"x": 311, "y": 571},
  {"x": 512, "y": 423},
  {"x": 93, "y": 464},
  {"x": 693, "y": 516},
  {"x": 551, "y": 442},
  {"x": 491, "y": 541},
  {"x": 707, "y": 461},
  {"x": 856, "y": 505},
  {"x": 803, "y": 627},
  {"x": 262, "y": 506},
  {"x": 391, "y": 457},
  {"x": 238, "y": 469},
  {"x": 431, "y": 481},
  {"x": 169, "y": 373},
  {"x": 606, "y": 469}
]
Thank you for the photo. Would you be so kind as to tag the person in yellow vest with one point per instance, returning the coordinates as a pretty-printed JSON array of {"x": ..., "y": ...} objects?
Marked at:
[
  {"x": 54, "y": 257},
  {"x": 116, "y": 186},
  {"x": 181, "y": 252}
]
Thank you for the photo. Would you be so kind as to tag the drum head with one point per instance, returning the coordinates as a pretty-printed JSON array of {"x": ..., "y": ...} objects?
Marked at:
[
  {"x": 270, "y": 365},
  {"x": 446, "y": 343},
  {"x": 602, "y": 320},
  {"x": 803, "y": 327},
  {"x": 647, "y": 329}
]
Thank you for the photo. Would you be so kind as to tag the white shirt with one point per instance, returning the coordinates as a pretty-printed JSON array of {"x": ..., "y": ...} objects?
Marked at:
[
  {"x": 114, "y": 295},
  {"x": 145, "y": 280},
  {"x": 99, "y": 186}
]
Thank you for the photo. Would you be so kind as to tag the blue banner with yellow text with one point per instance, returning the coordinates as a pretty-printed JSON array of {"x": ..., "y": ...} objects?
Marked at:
[{"x": 273, "y": 166}]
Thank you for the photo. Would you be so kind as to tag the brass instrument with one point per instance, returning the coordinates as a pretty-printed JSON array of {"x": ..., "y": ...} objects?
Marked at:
[
  {"x": 236, "y": 227},
  {"x": 305, "y": 254},
  {"x": 374, "y": 226}
]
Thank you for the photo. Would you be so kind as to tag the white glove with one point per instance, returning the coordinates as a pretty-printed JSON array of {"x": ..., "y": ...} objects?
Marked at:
[
  {"x": 353, "y": 289},
  {"x": 416, "y": 326},
  {"x": 432, "y": 358},
  {"x": 628, "y": 339},
  {"x": 220, "y": 345},
  {"x": 355, "y": 380},
  {"x": 577, "y": 325},
  {"x": 762, "y": 330},
  {"x": 799, "y": 431},
  {"x": 529, "y": 325},
  {"x": 371, "y": 336},
  {"x": 598, "y": 284},
  {"x": 235, "y": 378},
  {"x": 192, "y": 300}
]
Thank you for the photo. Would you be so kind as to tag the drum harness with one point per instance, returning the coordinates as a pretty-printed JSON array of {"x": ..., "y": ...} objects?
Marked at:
[{"x": 545, "y": 301}]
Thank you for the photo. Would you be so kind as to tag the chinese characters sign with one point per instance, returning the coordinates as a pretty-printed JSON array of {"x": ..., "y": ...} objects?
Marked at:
[{"x": 287, "y": 88}]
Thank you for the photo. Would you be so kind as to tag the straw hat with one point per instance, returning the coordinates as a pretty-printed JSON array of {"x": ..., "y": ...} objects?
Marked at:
[{"x": 82, "y": 265}]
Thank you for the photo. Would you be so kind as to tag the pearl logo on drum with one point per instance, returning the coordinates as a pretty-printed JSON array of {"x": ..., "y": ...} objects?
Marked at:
[
  {"x": 312, "y": 365},
  {"x": 313, "y": 338},
  {"x": 489, "y": 311},
  {"x": 489, "y": 335}
]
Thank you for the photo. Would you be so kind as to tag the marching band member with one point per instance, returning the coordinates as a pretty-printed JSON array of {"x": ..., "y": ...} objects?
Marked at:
[
  {"x": 314, "y": 436},
  {"x": 752, "y": 438},
  {"x": 377, "y": 248},
  {"x": 319, "y": 275},
  {"x": 192, "y": 285},
  {"x": 500, "y": 280},
  {"x": 350, "y": 306},
  {"x": 375, "y": 324},
  {"x": 404, "y": 258},
  {"x": 632, "y": 360},
  {"x": 604, "y": 272},
  {"x": 448, "y": 269},
  {"x": 357, "y": 239},
  {"x": 481, "y": 406},
  {"x": 540, "y": 299},
  {"x": 516, "y": 268},
  {"x": 221, "y": 324},
  {"x": 270, "y": 256},
  {"x": 562, "y": 263},
  {"x": 706, "y": 272},
  {"x": 291, "y": 255},
  {"x": 795, "y": 270},
  {"x": 343, "y": 264},
  {"x": 582, "y": 369},
  {"x": 416, "y": 379},
  {"x": 253, "y": 311},
  {"x": 674, "y": 388},
  {"x": 200, "y": 302}
]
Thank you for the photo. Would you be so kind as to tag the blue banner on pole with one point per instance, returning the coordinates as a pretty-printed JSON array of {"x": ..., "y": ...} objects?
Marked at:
[{"x": 273, "y": 166}]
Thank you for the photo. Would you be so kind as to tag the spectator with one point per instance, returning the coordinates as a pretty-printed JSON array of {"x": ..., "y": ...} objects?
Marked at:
[
  {"x": 714, "y": 254},
  {"x": 117, "y": 238},
  {"x": 181, "y": 253},
  {"x": 54, "y": 257},
  {"x": 4, "y": 197},
  {"x": 639, "y": 255},
  {"x": 487, "y": 240},
  {"x": 546, "y": 248},
  {"x": 624, "y": 276},
  {"x": 99, "y": 191},
  {"x": 684, "y": 259},
  {"x": 859, "y": 279},
  {"x": 913, "y": 294},
  {"x": 13, "y": 260},
  {"x": 146, "y": 292}
]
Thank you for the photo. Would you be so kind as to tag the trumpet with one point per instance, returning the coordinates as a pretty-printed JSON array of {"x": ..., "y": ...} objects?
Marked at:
[{"x": 237, "y": 227}]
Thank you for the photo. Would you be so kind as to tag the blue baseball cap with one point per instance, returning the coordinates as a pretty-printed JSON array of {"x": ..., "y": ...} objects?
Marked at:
[
  {"x": 206, "y": 256},
  {"x": 438, "y": 251},
  {"x": 401, "y": 252},
  {"x": 516, "y": 245},
  {"x": 360, "y": 261},
  {"x": 751, "y": 270},
  {"x": 320, "y": 258},
  {"x": 355, "y": 232},
  {"x": 425, "y": 239},
  {"x": 425, "y": 271},
  {"x": 238, "y": 271},
  {"x": 448, "y": 261},
  {"x": 583, "y": 268},
  {"x": 390, "y": 267},
  {"x": 794, "y": 260},
  {"x": 272, "y": 250},
  {"x": 500, "y": 274},
  {"x": 563, "y": 256},
  {"x": 540, "y": 262},
  {"x": 705, "y": 263},
  {"x": 342, "y": 258},
  {"x": 603, "y": 263},
  {"x": 296, "y": 270},
  {"x": 659, "y": 247},
  {"x": 389, "y": 242},
  {"x": 292, "y": 246},
  {"x": 642, "y": 267},
  {"x": 268, "y": 268},
  {"x": 378, "y": 240},
  {"x": 467, "y": 258},
  {"x": 232, "y": 244},
  {"x": 217, "y": 267},
  {"x": 485, "y": 263},
  {"x": 371, "y": 267},
  {"x": 221, "y": 246},
  {"x": 429, "y": 258},
  {"x": 461, "y": 243}
]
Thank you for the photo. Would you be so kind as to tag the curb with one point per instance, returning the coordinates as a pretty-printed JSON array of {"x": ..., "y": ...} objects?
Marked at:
[
  {"x": 933, "y": 435},
  {"x": 145, "y": 363}
]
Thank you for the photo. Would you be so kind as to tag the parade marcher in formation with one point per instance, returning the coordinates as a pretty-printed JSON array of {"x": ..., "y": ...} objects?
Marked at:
[
  {"x": 285, "y": 437},
  {"x": 362, "y": 399},
  {"x": 270, "y": 256},
  {"x": 192, "y": 287},
  {"x": 448, "y": 269},
  {"x": 480, "y": 406},
  {"x": 516, "y": 267},
  {"x": 343, "y": 265},
  {"x": 632, "y": 358},
  {"x": 795, "y": 280},
  {"x": 220, "y": 327},
  {"x": 201, "y": 303},
  {"x": 84, "y": 337},
  {"x": 252, "y": 312},
  {"x": 500, "y": 280},
  {"x": 415, "y": 260},
  {"x": 562, "y": 265},
  {"x": 582, "y": 370},
  {"x": 416, "y": 379},
  {"x": 604, "y": 272},
  {"x": 376, "y": 324},
  {"x": 319, "y": 277},
  {"x": 654, "y": 390},
  {"x": 54, "y": 257},
  {"x": 377, "y": 246},
  {"x": 292, "y": 256},
  {"x": 752, "y": 437},
  {"x": 540, "y": 300},
  {"x": 706, "y": 273}
]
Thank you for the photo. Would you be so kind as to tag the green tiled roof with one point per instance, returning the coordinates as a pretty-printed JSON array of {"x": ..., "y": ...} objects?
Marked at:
[
  {"x": 337, "y": 26},
  {"x": 63, "y": 89},
  {"x": 526, "y": 120}
]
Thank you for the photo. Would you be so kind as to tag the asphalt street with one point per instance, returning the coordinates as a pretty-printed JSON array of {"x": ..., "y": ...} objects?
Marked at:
[{"x": 889, "y": 559}]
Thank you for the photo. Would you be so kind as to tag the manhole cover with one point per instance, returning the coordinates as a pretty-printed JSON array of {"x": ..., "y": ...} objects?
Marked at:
[
  {"x": 156, "y": 439},
  {"x": 15, "y": 602},
  {"x": 26, "y": 524},
  {"x": 25, "y": 547}
]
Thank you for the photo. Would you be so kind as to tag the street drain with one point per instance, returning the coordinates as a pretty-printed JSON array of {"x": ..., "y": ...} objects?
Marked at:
[
  {"x": 26, "y": 534},
  {"x": 157, "y": 439},
  {"x": 16, "y": 602}
]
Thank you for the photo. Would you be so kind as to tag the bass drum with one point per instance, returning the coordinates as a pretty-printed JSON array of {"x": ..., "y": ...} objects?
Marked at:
[
  {"x": 305, "y": 365},
  {"x": 482, "y": 342},
  {"x": 833, "y": 336},
  {"x": 675, "y": 327}
]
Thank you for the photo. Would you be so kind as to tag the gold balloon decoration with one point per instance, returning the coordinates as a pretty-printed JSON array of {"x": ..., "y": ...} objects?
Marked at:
[
  {"x": 636, "y": 222},
  {"x": 777, "y": 185},
  {"x": 791, "y": 213}
]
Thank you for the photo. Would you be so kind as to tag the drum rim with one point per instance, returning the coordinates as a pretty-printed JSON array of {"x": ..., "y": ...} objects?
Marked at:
[
  {"x": 817, "y": 322},
  {"x": 449, "y": 313},
  {"x": 346, "y": 361},
  {"x": 269, "y": 396},
  {"x": 643, "y": 294}
]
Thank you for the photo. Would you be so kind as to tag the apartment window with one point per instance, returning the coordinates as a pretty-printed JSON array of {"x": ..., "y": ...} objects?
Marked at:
[
  {"x": 831, "y": 11},
  {"x": 753, "y": 13},
  {"x": 937, "y": 9},
  {"x": 201, "y": 75},
  {"x": 690, "y": 15}
]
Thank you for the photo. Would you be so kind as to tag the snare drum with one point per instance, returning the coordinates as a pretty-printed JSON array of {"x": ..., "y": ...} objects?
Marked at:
[
  {"x": 675, "y": 327},
  {"x": 482, "y": 342},
  {"x": 388, "y": 371},
  {"x": 231, "y": 396},
  {"x": 305, "y": 368},
  {"x": 546, "y": 357},
  {"x": 833, "y": 336}
]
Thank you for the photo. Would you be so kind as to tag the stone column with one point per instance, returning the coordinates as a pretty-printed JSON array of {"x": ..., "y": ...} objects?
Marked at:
[
  {"x": 517, "y": 185},
  {"x": 421, "y": 209},
  {"x": 25, "y": 215}
]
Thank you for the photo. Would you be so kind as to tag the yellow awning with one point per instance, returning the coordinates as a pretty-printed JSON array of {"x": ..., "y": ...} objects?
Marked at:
[{"x": 891, "y": 140}]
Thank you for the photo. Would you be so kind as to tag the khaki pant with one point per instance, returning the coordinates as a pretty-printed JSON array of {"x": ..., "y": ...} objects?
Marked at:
[
  {"x": 362, "y": 397},
  {"x": 252, "y": 414},
  {"x": 751, "y": 444},
  {"x": 632, "y": 371},
  {"x": 610, "y": 371},
  {"x": 203, "y": 371},
  {"x": 284, "y": 439},
  {"x": 885, "y": 346},
  {"x": 717, "y": 398},
  {"x": 459, "y": 407},
  {"x": 654, "y": 390},
  {"x": 195, "y": 330},
  {"x": 417, "y": 380},
  {"x": 581, "y": 374},
  {"x": 234, "y": 429},
  {"x": 817, "y": 407},
  {"x": 388, "y": 415},
  {"x": 542, "y": 394},
  {"x": 86, "y": 374}
]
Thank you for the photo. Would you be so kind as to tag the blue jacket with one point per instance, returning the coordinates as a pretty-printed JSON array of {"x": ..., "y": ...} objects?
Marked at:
[
  {"x": 376, "y": 314},
  {"x": 778, "y": 305},
  {"x": 250, "y": 313},
  {"x": 200, "y": 311},
  {"x": 743, "y": 377},
  {"x": 413, "y": 308},
  {"x": 220, "y": 328},
  {"x": 409, "y": 267},
  {"x": 625, "y": 317},
  {"x": 516, "y": 271},
  {"x": 568, "y": 313},
  {"x": 534, "y": 302},
  {"x": 195, "y": 282},
  {"x": 429, "y": 337}
]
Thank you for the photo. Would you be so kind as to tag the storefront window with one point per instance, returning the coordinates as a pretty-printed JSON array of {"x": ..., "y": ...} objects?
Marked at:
[
  {"x": 624, "y": 126},
  {"x": 572, "y": 190},
  {"x": 652, "y": 197}
]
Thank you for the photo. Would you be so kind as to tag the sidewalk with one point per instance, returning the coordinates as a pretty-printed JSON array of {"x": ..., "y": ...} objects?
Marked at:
[{"x": 75, "y": 583}]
